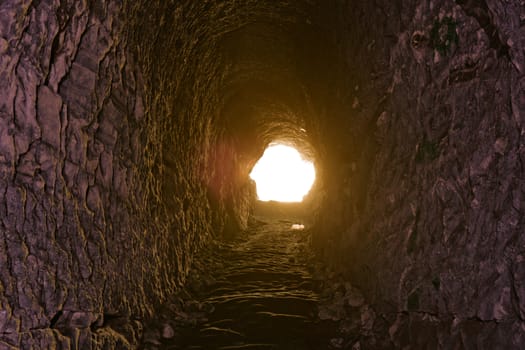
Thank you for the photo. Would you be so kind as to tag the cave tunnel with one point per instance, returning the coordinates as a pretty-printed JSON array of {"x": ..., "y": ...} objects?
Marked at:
[{"x": 128, "y": 130}]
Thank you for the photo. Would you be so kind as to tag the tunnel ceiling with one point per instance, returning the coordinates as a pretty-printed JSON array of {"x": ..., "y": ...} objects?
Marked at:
[
  {"x": 271, "y": 63},
  {"x": 271, "y": 71},
  {"x": 269, "y": 57}
]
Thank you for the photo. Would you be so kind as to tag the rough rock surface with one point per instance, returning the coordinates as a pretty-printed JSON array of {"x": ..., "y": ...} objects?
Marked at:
[
  {"x": 128, "y": 129},
  {"x": 428, "y": 212},
  {"x": 97, "y": 222},
  {"x": 258, "y": 290},
  {"x": 67, "y": 177}
]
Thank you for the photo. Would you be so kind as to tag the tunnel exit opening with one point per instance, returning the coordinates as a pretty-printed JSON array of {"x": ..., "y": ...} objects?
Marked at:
[{"x": 282, "y": 174}]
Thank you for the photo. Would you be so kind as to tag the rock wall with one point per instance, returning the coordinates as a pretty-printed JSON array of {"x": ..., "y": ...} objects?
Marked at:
[
  {"x": 70, "y": 148},
  {"x": 427, "y": 213},
  {"x": 107, "y": 155}
]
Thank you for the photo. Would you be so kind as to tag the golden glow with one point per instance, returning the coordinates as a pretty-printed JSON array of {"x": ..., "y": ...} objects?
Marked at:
[{"x": 282, "y": 175}]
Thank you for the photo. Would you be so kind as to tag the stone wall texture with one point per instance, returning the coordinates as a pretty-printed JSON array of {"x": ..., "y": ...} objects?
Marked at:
[
  {"x": 430, "y": 221},
  {"x": 128, "y": 129}
]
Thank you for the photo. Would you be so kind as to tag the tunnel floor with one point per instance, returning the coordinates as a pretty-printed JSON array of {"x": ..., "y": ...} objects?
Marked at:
[{"x": 261, "y": 292}]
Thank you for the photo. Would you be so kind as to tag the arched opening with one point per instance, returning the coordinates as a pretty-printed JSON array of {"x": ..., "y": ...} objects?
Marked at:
[{"x": 282, "y": 174}]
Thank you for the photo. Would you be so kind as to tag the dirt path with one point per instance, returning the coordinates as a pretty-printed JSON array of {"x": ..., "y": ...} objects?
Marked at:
[{"x": 261, "y": 295}]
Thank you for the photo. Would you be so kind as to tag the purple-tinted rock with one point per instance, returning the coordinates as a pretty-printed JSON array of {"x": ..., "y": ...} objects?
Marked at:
[{"x": 49, "y": 106}]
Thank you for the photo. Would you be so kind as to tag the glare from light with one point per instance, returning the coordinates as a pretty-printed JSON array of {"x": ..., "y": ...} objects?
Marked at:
[{"x": 282, "y": 175}]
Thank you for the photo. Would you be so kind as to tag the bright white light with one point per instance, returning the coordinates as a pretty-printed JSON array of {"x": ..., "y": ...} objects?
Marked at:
[
  {"x": 282, "y": 175},
  {"x": 297, "y": 227}
]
